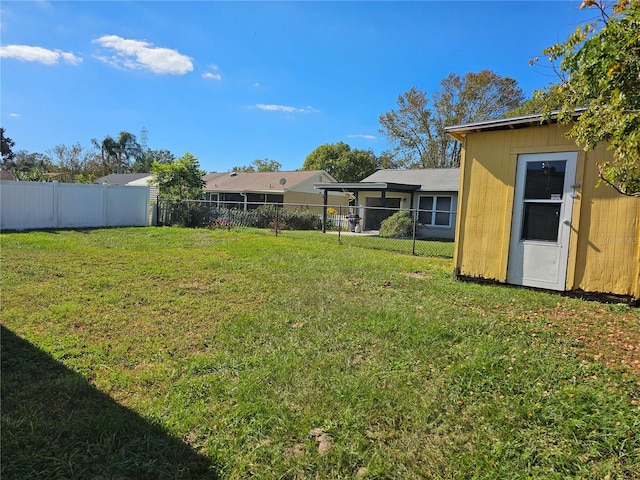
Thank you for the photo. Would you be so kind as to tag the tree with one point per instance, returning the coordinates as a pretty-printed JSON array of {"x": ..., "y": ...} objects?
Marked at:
[
  {"x": 25, "y": 161},
  {"x": 416, "y": 129},
  {"x": 342, "y": 163},
  {"x": 180, "y": 180},
  {"x": 265, "y": 165},
  {"x": 143, "y": 164},
  {"x": 74, "y": 164},
  {"x": 117, "y": 154},
  {"x": 599, "y": 70},
  {"x": 541, "y": 101},
  {"x": 386, "y": 160},
  {"x": 36, "y": 174},
  {"x": 7, "y": 150}
]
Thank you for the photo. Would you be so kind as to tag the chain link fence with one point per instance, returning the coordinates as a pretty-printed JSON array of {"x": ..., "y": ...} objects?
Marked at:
[{"x": 414, "y": 231}]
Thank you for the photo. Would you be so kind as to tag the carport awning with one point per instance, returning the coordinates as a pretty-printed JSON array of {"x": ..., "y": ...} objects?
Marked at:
[
  {"x": 366, "y": 187},
  {"x": 357, "y": 187}
]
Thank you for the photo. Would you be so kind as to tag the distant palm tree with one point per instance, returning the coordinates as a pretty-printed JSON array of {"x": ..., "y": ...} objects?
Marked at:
[{"x": 117, "y": 154}]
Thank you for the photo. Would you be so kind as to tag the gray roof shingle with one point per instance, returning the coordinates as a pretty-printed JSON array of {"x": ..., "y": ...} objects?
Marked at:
[
  {"x": 257, "y": 181},
  {"x": 430, "y": 179},
  {"x": 121, "y": 178}
]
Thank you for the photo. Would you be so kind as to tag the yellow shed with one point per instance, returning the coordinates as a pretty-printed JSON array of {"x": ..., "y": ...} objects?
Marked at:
[{"x": 529, "y": 211}]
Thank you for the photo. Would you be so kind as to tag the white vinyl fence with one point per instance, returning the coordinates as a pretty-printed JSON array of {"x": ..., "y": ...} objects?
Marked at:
[{"x": 34, "y": 205}]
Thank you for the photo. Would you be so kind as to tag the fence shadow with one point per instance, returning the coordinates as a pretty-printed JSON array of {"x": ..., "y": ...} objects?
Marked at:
[{"x": 56, "y": 425}]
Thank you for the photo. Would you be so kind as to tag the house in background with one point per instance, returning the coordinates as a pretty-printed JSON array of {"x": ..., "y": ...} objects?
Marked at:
[
  {"x": 529, "y": 211},
  {"x": 431, "y": 192},
  {"x": 135, "y": 180},
  {"x": 6, "y": 175},
  {"x": 249, "y": 190}
]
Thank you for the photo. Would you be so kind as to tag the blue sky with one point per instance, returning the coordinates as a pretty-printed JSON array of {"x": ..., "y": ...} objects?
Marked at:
[{"x": 231, "y": 82}]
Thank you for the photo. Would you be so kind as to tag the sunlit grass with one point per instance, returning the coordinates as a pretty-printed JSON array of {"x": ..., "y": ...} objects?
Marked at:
[{"x": 239, "y": 344}]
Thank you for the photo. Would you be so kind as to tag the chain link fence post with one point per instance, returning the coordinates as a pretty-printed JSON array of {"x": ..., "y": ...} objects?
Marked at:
[
  {"x": 414, "y": 216},
  {"x": 158, "y": 211},
  {"x": 339, "y": 222}
]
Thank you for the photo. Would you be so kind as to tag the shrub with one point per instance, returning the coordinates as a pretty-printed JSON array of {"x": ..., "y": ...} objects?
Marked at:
[
  {"x": 208, "y": 215},
  {"x": 186, "y": 214},
  {"x": 399, "y": 224},
  {"x": 301, "y": 219},
  {"x": 263, "y": 216},
  {"x": 289, "y": 219},
  {"x": 219, "y": 222}
]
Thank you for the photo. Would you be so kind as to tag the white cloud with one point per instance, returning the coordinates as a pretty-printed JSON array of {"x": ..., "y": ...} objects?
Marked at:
[
  {"x": 138, "y": 54},
  {"x": 70, "y": 58},
  {"x": 286, "y": 108},
  {"x": 27, "y": 53},
  {"x": 212, "y": 76},
  {"x": 364, "y": 136},
  {"x": 14, "y": 115}
]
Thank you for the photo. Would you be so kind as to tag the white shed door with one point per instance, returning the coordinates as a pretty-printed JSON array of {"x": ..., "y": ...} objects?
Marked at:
[{"x": 541, "y": 225}]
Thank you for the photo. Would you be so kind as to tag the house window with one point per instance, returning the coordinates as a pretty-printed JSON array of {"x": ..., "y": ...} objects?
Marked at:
[
  {"x": 273, "y": 198},
  {"x": 435, "y": 210},
  {"x": 255, "y": 200}
]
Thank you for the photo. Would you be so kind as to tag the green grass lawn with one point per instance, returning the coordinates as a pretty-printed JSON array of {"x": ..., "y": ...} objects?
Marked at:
[{"x": 174, "y": 353}]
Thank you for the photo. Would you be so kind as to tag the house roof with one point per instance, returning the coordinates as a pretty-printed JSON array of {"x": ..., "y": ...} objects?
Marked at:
[
  {"x": 366, "y": 186},
  {"x": 429, "y": 179},
  {"x": 121, "y": 178},
  {"x": 423, "y": 179},
  {"x": 6, "y": 175},
  {"x": 260, "y": 181},
  {"x": 460, "y": 131}
]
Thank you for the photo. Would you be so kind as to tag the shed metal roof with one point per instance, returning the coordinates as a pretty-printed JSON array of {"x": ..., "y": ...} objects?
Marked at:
[{"x": 460, "y": 131}]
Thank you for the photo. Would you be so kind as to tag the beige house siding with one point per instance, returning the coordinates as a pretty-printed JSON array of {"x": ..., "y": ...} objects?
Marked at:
[
  {"x": 314, "y": 198},
  {"x": 154, "y": 191},
  {"x": 297, "y": 190}
]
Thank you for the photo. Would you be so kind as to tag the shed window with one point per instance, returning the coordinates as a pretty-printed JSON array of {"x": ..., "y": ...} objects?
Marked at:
[
  {"x": 544, "y": 180},
  {"x": 541, "y": 221},
  {"x": 435, "y": 210}
]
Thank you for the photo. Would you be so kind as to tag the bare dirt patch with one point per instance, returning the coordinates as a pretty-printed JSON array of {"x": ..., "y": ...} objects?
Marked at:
[{"x": 418, "y": 275}]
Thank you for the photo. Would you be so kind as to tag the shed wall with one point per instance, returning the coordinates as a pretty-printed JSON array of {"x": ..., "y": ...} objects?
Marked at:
[
  {"x": 604, "y": 248},
  {"x": 608, "y": 245}
]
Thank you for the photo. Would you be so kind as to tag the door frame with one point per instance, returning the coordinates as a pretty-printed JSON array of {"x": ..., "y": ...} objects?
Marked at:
[{"x": 517, "y": 247}]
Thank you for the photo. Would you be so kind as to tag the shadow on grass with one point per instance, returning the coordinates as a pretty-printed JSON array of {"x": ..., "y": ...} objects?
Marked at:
[{"x": 56, "y": 425}]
